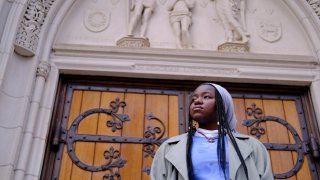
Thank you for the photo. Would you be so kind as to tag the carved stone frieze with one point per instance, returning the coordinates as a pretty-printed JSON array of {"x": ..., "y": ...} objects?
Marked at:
[
  {"x": 97, "y": 20},
  {"x": 235, "y": 47},
  {"x": 43, "y": 69},
  {"x": 29, "y": 30},
  {"x": 135, "y": 42}
]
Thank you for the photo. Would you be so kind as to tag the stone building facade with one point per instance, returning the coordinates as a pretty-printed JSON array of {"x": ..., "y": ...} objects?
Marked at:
[{"x": 250, "y": 41}]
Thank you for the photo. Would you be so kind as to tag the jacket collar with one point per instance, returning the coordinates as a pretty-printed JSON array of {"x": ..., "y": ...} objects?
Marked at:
[
  {"x": 180, "y": 148},
  {"x": 245, "y": 150}
]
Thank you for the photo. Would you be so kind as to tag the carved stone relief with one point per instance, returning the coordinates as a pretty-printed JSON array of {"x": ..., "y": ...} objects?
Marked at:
[
  {"x": 142, "y": 11},
  {"x": 97, "y": 20},
  {"x": 204, "y": 3},
  {"x": 315, "y": 4},
  {"x": 232, "y": 17},
  {"x": 181, "y": 20},
  {"x": 234, "y": 47},
  {"x": 269, "y": 31},
  {"x": 135, "y": 42},
  {"x": 28, "y": 32},
  {"x": 43, "y": 69}
]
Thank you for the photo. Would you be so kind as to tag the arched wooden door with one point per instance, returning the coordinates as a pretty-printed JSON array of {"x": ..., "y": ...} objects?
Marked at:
[{"x": 113, "y": 133}]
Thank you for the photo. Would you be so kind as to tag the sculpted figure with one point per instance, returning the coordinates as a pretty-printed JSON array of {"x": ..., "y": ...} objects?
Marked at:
[
  {"x": 229, "y": 12},
  {"x": 142, "y": 10},
  {"x": 181, "y": 19}
]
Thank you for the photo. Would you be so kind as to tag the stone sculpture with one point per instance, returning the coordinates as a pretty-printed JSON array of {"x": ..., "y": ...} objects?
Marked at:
[
  {"x": 142, "y": 11},
  {"x": 181, "y": 20},
  {"x": 231, "y": 14}
]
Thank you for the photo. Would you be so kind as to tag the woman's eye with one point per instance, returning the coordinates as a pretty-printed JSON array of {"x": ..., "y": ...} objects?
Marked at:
[{"x": 207, "y": 97}]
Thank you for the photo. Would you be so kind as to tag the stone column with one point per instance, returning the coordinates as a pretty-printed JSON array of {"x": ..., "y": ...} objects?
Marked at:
[{"x": 41, "y": 76}]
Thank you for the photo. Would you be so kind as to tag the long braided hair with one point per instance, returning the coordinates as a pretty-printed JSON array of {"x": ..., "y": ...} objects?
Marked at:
[{"x": 223, "y": 130}]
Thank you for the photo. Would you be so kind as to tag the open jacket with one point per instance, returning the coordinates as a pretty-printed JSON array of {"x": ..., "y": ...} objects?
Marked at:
[{"x": 170, "y": 160}]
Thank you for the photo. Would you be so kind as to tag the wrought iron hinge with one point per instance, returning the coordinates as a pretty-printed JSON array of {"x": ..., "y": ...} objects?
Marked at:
[
  {"x": 59, "y": 137},
  {"x": 314, "y": 146}
]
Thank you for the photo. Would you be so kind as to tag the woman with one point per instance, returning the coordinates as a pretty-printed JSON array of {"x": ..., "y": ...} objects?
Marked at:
[{"x": 214, "y": 150}]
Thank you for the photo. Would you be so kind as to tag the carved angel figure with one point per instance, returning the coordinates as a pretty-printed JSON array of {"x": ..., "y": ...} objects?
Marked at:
[
  {"x": 231, "y": 13},
  {"x": 181, "y": 19},
  {"x": 142, "y": 11}
]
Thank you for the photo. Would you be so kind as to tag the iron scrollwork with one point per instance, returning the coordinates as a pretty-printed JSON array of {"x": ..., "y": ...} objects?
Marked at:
[
  {"x": 152, "y": 136},
  {"x": 256, "y": 112},
  {"x": 300, "y": 147},
  {"x": 112, "y": 156},
  {"x": 117, "y": 123},
  {"x": 152, "y": 133}
]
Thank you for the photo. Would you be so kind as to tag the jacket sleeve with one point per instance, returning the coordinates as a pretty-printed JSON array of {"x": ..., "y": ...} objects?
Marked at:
[{"x": 262, "y": 161}]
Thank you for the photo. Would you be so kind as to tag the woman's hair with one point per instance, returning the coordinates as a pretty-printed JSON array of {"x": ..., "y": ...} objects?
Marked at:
[{"x": 223, "y": 129}]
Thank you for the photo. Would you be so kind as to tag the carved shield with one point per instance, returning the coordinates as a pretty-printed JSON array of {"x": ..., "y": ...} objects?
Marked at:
[
  {"x": 270, "y": 31},
  {"x": 97, "y": 20}
]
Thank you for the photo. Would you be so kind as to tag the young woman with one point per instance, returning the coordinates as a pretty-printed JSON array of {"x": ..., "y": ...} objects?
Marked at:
[{"x": 214, "y": 150}]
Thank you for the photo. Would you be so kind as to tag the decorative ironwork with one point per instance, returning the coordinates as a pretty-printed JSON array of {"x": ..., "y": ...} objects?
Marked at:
[
  {"x": 151, "y": 133},
  {"x": 111, "y": 175},
  {"x": 255, "y": 112},
  {"x": 147, "y": 169},
  {"x": 300, "y": 147},
  {"x": 152, "y": 137},
  {"x": 117, "y": 123},
  {"x": 112, "y": 156}
]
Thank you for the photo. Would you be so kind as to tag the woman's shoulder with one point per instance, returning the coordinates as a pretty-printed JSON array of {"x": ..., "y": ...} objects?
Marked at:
[
  {"x": 176, "y": 139},
  {"x": 252, "y": 141},
  {"x": 171, "y": 142}
]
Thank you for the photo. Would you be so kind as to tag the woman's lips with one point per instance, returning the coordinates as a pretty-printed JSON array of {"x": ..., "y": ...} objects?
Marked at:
[{"x": 197, "y": 108}]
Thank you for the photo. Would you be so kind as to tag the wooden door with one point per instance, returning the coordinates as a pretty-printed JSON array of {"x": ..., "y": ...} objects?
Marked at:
[
  {"x": 278, "y": 122},
  {"x": 113, "y": 133}
]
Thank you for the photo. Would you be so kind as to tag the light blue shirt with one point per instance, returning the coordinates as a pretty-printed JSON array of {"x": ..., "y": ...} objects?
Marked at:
[{"x": 205, "y": 160}]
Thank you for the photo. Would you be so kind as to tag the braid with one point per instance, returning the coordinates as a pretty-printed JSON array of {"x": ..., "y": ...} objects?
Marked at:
[
  {"x": 221, "y": 148},
  {"x": 224, "y": 126},
  {"x": 189, "y": 145}
]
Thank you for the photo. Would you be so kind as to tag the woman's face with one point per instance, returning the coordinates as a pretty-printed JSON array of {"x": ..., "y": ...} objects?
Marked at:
[{"x": 202, "y": 108}]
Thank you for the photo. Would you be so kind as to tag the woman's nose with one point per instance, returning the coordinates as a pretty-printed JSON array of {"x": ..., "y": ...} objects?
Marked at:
[{"x": 198, "y": 101}]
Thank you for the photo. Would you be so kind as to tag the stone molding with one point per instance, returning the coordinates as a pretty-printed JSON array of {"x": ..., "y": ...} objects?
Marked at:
[
  {"x": 27, "y": 36},
  {"x": 186, "y": 69},
  {"x": 185, "y": 56},
  {"x": 43, "y": 69}
]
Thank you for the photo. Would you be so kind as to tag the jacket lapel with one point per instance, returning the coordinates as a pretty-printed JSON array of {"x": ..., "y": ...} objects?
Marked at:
[
  {"x": 234, "y": 161},
  {"x": 177, "y": 155}
]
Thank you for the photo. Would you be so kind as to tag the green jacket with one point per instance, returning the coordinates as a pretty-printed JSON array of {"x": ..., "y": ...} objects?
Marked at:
[{"x": 170, "y": 160}]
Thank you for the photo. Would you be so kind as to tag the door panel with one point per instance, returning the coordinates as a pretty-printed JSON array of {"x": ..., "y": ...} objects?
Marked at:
[
  {"x": 279, "y": 140},
  {"x": 113, "y": 133},
  {"x": 152, "y": 116}
]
